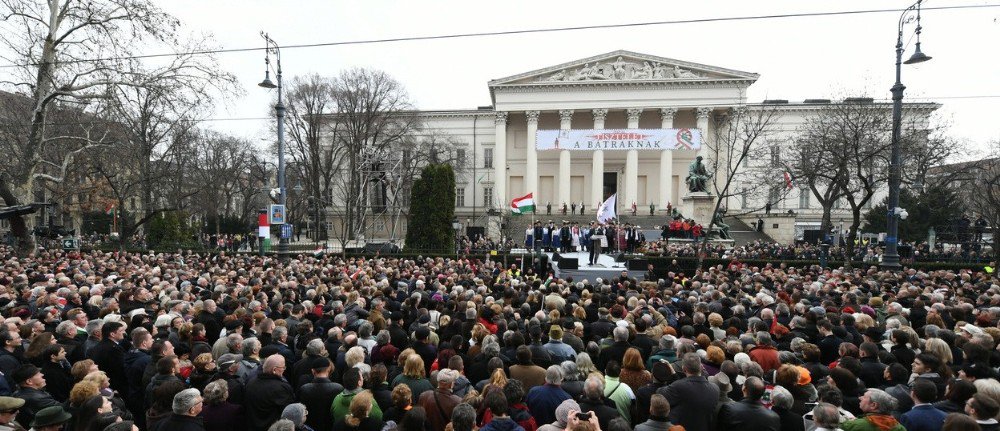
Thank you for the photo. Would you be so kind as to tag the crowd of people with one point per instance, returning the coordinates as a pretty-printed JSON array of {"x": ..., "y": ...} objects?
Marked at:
[{"x": 186, "y": 341}]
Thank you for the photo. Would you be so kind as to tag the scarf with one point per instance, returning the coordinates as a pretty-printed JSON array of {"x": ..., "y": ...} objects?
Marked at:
[{"x": 882, "y": 422}]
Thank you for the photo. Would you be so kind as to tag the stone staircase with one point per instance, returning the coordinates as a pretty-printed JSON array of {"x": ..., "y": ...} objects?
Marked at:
[{"x": 742, "y": 233}]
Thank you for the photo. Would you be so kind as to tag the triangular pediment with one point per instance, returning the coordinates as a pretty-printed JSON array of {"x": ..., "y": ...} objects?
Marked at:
[{"x": 624, "y": 66}]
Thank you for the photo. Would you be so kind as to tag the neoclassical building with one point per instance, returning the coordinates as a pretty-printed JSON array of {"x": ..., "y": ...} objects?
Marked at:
[{"x": 605, "y": 98}]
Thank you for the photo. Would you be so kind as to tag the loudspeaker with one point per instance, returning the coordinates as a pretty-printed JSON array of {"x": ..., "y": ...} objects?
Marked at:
[
  {"x": 637, "y": 264},
  {"x": 569, "y": 263}
]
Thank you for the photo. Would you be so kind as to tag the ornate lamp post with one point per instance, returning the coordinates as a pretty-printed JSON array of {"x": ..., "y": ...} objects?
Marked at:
[
  {"x": 271, "y": 47},
  {"x": 890, "y": 260}
]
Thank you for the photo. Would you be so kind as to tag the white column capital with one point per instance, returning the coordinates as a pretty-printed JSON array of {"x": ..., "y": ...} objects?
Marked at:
[
  {"x": 501, "y": 117},
  {"x": 532, "y": 116},
  {"x": 600, "y": 114},
  {"x": 704, "y": 113},
  {"x": 633, "y": 114},
  {"x": 668, "y": 113},
  {"x": 566, "y": 115}
]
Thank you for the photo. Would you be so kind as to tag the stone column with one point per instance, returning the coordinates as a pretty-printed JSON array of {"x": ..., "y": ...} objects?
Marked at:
[
  {"x": 667, "y": 163},
  {"x": 531, "y": 167},
  {"x": 632, "y": 164},
  {"x": 565, "y": 121},
  {"x": 597, "y": 174},
  {"x": 500, "y": 159},
  {"x": 703, "y": 115}
]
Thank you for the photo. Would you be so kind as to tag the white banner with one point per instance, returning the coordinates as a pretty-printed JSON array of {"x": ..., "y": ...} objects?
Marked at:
[
  {"x": 608, "y": 209},
  {"x": 618, "y": 139}
]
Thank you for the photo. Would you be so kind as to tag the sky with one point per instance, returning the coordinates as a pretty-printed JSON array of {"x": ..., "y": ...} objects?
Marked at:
[{"x": 797, "y": 58}]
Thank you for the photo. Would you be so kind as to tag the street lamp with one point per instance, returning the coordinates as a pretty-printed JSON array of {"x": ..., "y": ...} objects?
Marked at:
[
  {"x": 271, "y": 47},
  {"x": 890, "y": 260}
]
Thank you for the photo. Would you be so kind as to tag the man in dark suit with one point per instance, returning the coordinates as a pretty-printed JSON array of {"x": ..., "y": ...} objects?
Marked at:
[
  {"x": 923, "y": 416},
  {"x": 596, "y": 233},
  {"x": 693, "y": 398},
  {"x": 749, "y": 414},
  {"x": 109, "y": 355}
]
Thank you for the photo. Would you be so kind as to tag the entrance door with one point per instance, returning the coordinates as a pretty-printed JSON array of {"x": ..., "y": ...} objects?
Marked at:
[{"x": 610, "y": 184}]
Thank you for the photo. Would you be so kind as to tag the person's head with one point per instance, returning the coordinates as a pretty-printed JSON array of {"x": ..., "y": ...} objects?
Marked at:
[
  {"x": 28, "y": 376},
  {"x": 923, "y": 391},
  {"x": 514, "y": 391},
  {"x": 9, "y": 406},
  {"x": 658, "y": 406},
  {"x": 168, "y": 365},
  {"x": 925, "y": 363},
  {"x": 826, "y": 416},
  {"x": 352, "y": 379},
  {"x": 414, "y": 367},
  {"x": 216, "y": 392},
  {"x": 554, "y": 375},
  {"x": 446, "y": 378},
  {"x": 463, "y": 417},
  {"x": 296, "y": 412},
  {"x": 691, "y": 364},
  {"x": 593, "y": 388},
  {"x": 982, "y": 407},
  {"x": 781, "y": 398},
  {"x": 959, "y": 422},
  {"x": 163, "y": 395},
  {"x": 753, "y": 388},
  {"x": 416, "y": 418},
  {"x": 115, "y": 331},
  {"x": 401, "y": 396},
  {"x": 187, "y": 402},
  {"x": 877, "y": 401},
  {"x": 633, "y": 360},
  {"x": 50, "y": 419},
  {"x": 497, "y": 403},
  {"x": 274, "y": 364}
]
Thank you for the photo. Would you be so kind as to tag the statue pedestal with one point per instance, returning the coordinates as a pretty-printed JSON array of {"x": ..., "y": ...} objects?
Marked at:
[{"x": 698, "y": 206}]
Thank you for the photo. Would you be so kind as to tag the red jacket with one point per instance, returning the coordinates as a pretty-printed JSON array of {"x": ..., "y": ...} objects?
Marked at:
[{"x": 766, "y": 356}]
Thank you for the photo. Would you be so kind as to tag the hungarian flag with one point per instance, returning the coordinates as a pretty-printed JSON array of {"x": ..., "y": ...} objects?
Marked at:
[
  {"x": 110, "y": 209},
  {"x": 789, "y": 181},
  {"x": 522, "y": 205}
]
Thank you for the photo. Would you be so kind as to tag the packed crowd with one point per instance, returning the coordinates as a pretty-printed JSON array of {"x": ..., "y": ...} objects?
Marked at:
[{"x": 178, "y": 342}]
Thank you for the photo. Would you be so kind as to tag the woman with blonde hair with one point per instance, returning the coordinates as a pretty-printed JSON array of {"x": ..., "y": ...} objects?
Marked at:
[
  {"x": 359, "y": 418},
  {"x": 413, "y": 376},
  {"x": 634, "y": 373},
  {"x": 939, "y": 348},
  {"x": 402, "y": 402}
]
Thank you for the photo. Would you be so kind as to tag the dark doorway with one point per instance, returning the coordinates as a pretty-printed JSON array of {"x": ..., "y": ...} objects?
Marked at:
[{"x": 610, "y": 184}]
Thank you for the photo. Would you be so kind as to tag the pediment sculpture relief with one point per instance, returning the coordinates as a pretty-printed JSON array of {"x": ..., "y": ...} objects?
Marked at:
[{"x": 621, "y": 70}]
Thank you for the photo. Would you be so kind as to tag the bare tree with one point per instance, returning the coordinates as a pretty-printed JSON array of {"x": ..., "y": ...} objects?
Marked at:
[
  {"x": 370, "y": 122},
  {"x": 739, "y": 138},
  {"x": 73, "y": 52},
  {"x": 980, "y": 184}
]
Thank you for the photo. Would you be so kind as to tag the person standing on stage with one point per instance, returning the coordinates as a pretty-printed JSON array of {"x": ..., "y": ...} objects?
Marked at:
[{"x": 596, "y": 236}]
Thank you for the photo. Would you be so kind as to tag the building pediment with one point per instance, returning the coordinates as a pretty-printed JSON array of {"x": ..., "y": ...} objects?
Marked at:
[{"x": 624, "y": 67}]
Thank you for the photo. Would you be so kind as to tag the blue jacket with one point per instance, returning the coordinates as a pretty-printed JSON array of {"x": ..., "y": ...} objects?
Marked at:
[
  {"x": 924, "y": 417},
  {"x": 543, "y": 400},
  {"x": 502, "y": 424}
]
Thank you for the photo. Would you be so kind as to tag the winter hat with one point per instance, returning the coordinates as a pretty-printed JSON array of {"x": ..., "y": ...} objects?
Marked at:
[{"x": 562, "y": 412}]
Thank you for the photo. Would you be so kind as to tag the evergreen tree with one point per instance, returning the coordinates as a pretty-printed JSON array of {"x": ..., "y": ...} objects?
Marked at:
[
  {"x": 432, "y": 209},
  {"x": 936, "y": 207}
]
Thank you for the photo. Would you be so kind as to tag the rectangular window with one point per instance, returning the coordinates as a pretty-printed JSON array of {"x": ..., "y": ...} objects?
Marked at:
[
  {"x": 775, "y": 156},
  {"x": 487, "y": 158},
  {"x": 460, "y": 157},
  {"x": 804, "y": 198},
  {"x": 460, "y": 197},
  {"x": 773, "y": 196},
  {"x": 488, "y": 197},
  {"x": 837, "y": 203},
  {"x": 743, "y": 199}
]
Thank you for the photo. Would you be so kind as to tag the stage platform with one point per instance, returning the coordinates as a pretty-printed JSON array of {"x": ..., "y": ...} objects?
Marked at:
[{"x": 606, "y": 267}]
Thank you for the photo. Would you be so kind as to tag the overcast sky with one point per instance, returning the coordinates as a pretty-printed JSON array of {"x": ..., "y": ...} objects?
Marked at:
[{"x": 797, "y": 58}]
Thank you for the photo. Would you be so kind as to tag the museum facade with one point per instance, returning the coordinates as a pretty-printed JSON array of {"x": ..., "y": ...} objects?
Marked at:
[{"x": 620, "y": 122}]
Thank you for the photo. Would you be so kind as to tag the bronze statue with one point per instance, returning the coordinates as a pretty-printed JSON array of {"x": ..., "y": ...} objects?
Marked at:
[
  {"x": 697, "y": 179},
  {"x": 723, "y": 228}
]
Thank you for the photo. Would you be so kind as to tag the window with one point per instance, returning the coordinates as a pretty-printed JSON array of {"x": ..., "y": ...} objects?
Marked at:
[
  {"x": 773, "y": 196},
  {"x": 837, "y": 203},
  {"x": 743, "y": 199},
  {"x": 460, "y": 157},
  {"x": 488, "y": 197},
  {"x": 775, "y": 156},
  {"x": 488, "y": 158},
  {"x": 804, "y": 198},
  {"x": 460, "y": 197}
]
